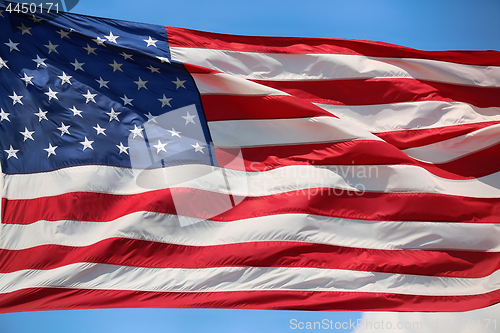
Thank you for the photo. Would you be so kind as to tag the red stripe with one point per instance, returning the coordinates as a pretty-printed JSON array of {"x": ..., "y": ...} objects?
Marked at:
[
  {"x": 369, "y": 206},
  {"x": 178, "y": 37},
  {"x": 231, "y": 107},
  {"x": 40, "y": 299},
  {"x": 367, "y": 153},
  {"x": 139, "y": 253},
  {"x": 385, "y": 91},
  {"x": 198, "y": 69},
  {"x": 421, "y": 137},
  {"x": 477, "y": 164},
  {"x": 86, "y": 206}
]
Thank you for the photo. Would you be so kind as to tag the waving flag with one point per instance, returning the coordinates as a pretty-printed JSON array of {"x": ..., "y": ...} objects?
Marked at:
[{"x": 145, "y": 166}]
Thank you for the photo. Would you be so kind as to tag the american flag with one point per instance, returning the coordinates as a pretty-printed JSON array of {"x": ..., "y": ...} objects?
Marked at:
[{"x": 145, "y": 166}]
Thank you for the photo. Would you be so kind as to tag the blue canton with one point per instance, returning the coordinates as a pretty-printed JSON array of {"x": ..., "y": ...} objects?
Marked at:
[{"x": 74, "y": 90}]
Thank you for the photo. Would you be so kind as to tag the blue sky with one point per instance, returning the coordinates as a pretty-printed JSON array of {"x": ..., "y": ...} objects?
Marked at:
[{"x": 424, "y": 24}]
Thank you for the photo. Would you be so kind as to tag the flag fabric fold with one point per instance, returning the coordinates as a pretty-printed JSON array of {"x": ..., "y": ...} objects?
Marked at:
[{"x": 145, "y": 166}]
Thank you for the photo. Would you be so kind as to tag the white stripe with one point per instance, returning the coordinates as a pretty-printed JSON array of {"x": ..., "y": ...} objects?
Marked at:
[
  {"x": 412, "y": 115},
  {"x": 269, "y": 132},
  {"x": 373, "y": 178},
  {"x": 165, "y": 228},
  {"x": 231, "y": 85},
  {"x": 224, "y": 279},
  {"x": 287, "y": 67},
  {"x": 451, "y": 149}
]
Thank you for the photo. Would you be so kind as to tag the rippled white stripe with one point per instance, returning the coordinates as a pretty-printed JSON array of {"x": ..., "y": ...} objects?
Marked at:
[
  {"x": 272, "y": 132},
  {"x": 284, "y": 67},
  {"x": 373, "y": 178},
  {"x": 209, "y": 84},
  {"x": 451, "y": 149},
  {"x": 412, "y": 115},
  {"x": 165, "y": 228},
  {"x": 223, "y": 279}
]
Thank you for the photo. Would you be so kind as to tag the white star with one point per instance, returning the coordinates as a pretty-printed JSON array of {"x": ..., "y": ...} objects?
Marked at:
[
  {"x": 39, "y": 61},
  {"x": 78, "y": 65},
  {"x": 113, "y": 115},
  {"x": 112, "y": 38},
  {"x": 189, "y": 118},
  {"x": 65, "y": 79},
  {"x": 64, "y": 129},
  {"x": 27, "y": 134},
  {"x": 87, "y": 144},
  {"x": 3, "y": 63},
  {"x": 27, "y": 79},
  {"x": 126, "y": 56},
  {"x": 126, "y": 100},
  {"x": 99, "y": 41},
  {"x": 52, "y": 94},
  {"x": 122, "y": 148},
  {"x": 151, "y": 118},
  {"x": 12, "y": 45},
  {"x": 12, "y": 152},
  {"x": 51, "y": 150},
  {"x": 141, "y": 84},
  {"x": 174, "y": 132},
  {"x": 64, "y": 33},
  {"x": 51, "y": 47},
  {"x": 153, "y": 69},
  {"x": 163, "y": 59},
  {"x": 197, "y": 148},
  {"x": 102, "y": 83},
  {"x": 25, "y": 29},
  {"x": 16, "y": 99},
  {"x": 137, "y": 131},
  {"x": 76, "y": 112},
  {"x": 89, "y": 97},
  {"x": 36, "y": 19},
  {"x": 116, "y": 66},
  {"x": 99, "y": 130},
  {"x": 41, "y": 115},
  {"x": 4, "y": 116},
  {"x": 179, "y": 83},
  {"x": 160, "y": 147},
  {"x": 150, "y": 42},
  {"x": 90, "y": 49},
  {"x": 165, "y": 101}
]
